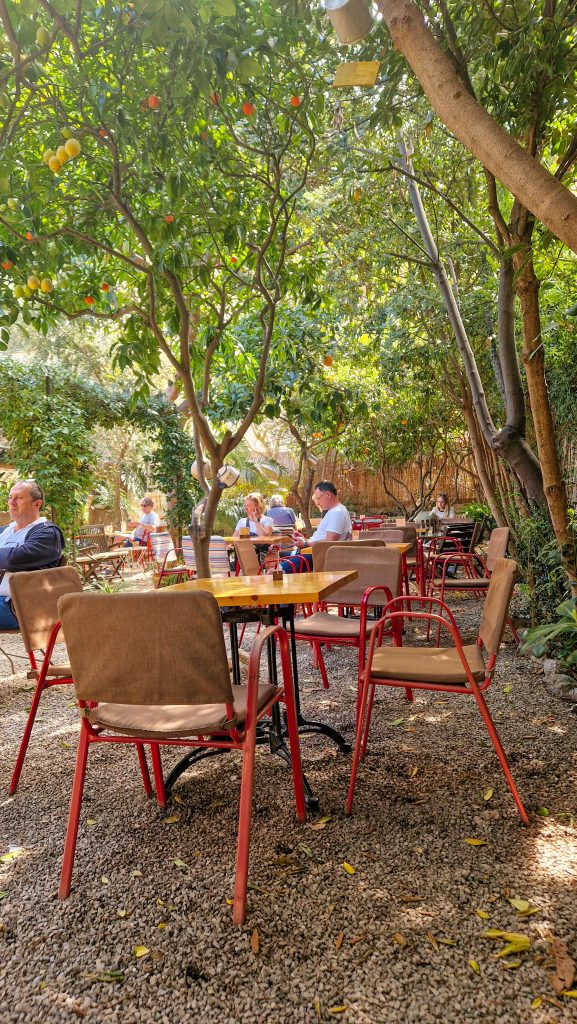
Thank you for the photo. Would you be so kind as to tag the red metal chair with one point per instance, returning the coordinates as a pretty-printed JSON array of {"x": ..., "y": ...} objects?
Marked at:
[
  {"x": 131, "y": 689},
  {"x": 461, "y": 669},
  {"x": 378, "y": 580}
]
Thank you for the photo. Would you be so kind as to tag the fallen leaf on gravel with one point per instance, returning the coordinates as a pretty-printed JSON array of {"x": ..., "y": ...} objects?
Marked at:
[
  {"x": 136, "y": 874},
  {"x": 258, "y": 888},
  {"x": 405, "y": 898},
  {"x": 413, "y": 771},
  {"x": 64, "y": 745},
  {"x": 161, "y": 925},
  {"x": 229, "y": 901},
  {"x": 564, "y": 966},
  {"x": 523, "y": 907},
  {"x": 447, "y": 942},
  {"x": 355, "y": 939},
  {"x": 106, "y": 976},
  {"x": 571, "y": 993},
  {"x": 255, "y": 941},
  {"x": 321, "y": 823},
  {"x": 536, "y": 1003},
  {"x": 123, "y": 913},
  {"x": 317, "y": 1007},
  {"x": 171, "y": 820},
  {"x": 178, "y": 799},
  {"x": 339, "y": 940},
  {"x": 508, "y": 688},
  {"x": 336, "y": 1009},
  {"x": 17, "y": 851},
  {"x": 515, "y": 942},
  {"x": 482, "y": 914},
  {"x": 476, "y": 842},
  {"x": 105, "y": 880},
  {"x": 431, "y": 938},
  {"x": 397, "y": 721},
  {"x": 474, "y": 966},
  {"x": 350, "y": 870},
  {"x": 543, "y": 812},
  {"x": 91, "y": 821},
  {"x": 306, "y": 849},
  {"x": 140, "y": 951},
  {"x": 511, "y": 965},
  {"x": 399, "y": 939},
  {"x": 488, "y": 794},
  {"x": 180, "y": 864},
  {"x": 3, "y": 894}
]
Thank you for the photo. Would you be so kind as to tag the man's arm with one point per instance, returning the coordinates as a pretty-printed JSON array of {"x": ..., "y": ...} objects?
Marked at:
[{"x": 42, "y": 547}]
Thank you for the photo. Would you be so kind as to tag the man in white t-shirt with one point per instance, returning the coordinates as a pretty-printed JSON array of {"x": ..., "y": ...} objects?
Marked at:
[
  {"x": 335, "y": 525},
  {"x": 146, "y": 524}
]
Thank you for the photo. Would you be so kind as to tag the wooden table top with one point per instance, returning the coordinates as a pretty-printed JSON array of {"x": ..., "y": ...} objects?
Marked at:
[
  {"x": 296, "y": 588},
  {"x": 403, "y": 548},
  {"x": 273, "y": 539}
]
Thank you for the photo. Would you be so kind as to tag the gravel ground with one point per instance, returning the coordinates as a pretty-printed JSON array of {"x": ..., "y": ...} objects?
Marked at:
[{"x": 369, "y": 947}]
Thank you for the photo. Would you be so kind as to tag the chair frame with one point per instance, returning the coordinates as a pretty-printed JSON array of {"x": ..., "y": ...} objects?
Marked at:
[
  {"x": 395, "y": 614},
  {"x": 235, "y": 738},
  {"x": 179, "y": 570}
]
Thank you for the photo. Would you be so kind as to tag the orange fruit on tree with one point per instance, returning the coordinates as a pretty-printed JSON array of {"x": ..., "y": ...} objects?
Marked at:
[
  {"x": 357, "y": 194},
  {"x": 295, "y": 101},
  {"x": 328, "y": 359},
  {"x": 169, "y": 218},
  {"x": 153, "y": 102},
  {"x": 72, "y": 147},
  {"x": 248, "y": 108},
  {"x": 233, "y": 259},
  {"x": 7, "y": 264},
  {"x": 105, "y": 287},
  {"x": 102, "y": 132},
  {"x": 89, "y": 300},
  {"x": 29, "y": 236}
]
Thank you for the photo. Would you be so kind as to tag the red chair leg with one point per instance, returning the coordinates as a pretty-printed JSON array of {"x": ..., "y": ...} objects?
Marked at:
[
  {"x": 357, "y": 747},
  {"x": 368, "y": 715},
  {"x": 27, "y": 733},
  {"x": 244, "y": 823},
  {"x": 74, "y": 814},
  {"x": 144, "y": 769},
  {"x": 321, "y": 663},
  {"x": 158, "y": 776},
  {"x": 501, "y": 755}
]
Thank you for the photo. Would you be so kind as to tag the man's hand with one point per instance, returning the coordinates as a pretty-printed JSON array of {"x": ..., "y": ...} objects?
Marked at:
[{"x": 299, "y": 539}]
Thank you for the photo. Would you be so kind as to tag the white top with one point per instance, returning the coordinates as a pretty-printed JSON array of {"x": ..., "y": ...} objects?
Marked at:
[
  {"x": 149, "y": 519},
  {"x": 447, "y": 513},
  {"x": 245, "y": 521},
  {"x": 8, "y": 538},
  {"x": 336, "y": 520}
]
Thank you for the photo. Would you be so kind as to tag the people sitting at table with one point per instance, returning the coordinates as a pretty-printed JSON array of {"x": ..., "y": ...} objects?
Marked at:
[
  {"x": 255, "y": 520},
  {"x": 334, "y": 525},
  {"x": 147, "y": 523},
  {"x": 29, "y": 542},
  {"x": 280, "y": 514},
  {"x": 442, "y": 509}
]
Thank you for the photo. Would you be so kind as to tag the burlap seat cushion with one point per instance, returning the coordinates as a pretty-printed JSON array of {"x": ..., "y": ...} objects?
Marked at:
[
  {"x": 428, "y": 664},
  {"x": 325, "y": 624},
  {"x": 466, "y": 583},
  {"x": 171, "y": 721}
]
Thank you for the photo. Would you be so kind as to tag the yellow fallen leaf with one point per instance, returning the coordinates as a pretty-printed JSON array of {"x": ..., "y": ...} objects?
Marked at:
[
  {"x": 431, "y": 938},
  {"x": 510, "y": 965},
  {"x": 63, "y": 743},
  {"x": 136, "y": 874},
  {"x": 413, "y": 771},
  {"x": 122, "y": 913},
  {"x": 447, "y": 942},
  {"x": 255, "y": 941},
  {"x": 12, "y": 854},
  {"x": 336, "y": 1009},
  {"x": 399, "y": 939},
  {"x": 229, "y": 901},
  {"x": 317, "y": 1007},
  {"x": 350, "y": 870},
  {"x": 474, "y": 966},
  {"x": 571, "y": 993},
  {"x": 536, "y": 1003},
  {"x": 161, "y": 925},
  {"x": 397, "y": 721},
  {"x": 178, "y": 863},
  {"x": 322, "y": 823},
  {"x": 521, "y": 905},
  {"x": 405, "y": 898},
  {"x": 487, "y": 794},
  {"x": 140, "y": 951},
  {"x": 91, "y": 821},
  {"x": 339, "y": 940},
  {"x": 171, "y": 820},
  {"x": 476, "y": 842},
  {"x": 104, "y": 880},
  {"x": 177, "y": 799},
  {"x": 482, "y": 914}
]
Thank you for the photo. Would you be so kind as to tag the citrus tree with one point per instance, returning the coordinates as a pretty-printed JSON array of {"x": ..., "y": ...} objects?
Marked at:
[{"x": 154, "y": 154}]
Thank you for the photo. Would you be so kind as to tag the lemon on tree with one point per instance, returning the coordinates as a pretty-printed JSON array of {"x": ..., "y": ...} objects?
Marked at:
[
  {"x": 62, "y": 154},
  {"x": 33, "y": 282},
  {"x": 47, "y": 155},
  {"x": 72, "y": 148},
  {"x": 54, "y": 164},
  {"x": 46, "y": 284}
]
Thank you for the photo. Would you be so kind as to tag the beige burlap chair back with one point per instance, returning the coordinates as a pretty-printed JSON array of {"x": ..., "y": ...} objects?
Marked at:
[
  {"x": 320, "y": 548},
  {"x": 247, "y": 556},
  {"x": 160, "y": 647},
  {"x": 497, "y": 603},
  {"x": 497, "y": 546},
  {"x": 400, "y": 535},
  {"x": 35, "y": 598},
  {"x": 376, "y": 566}
]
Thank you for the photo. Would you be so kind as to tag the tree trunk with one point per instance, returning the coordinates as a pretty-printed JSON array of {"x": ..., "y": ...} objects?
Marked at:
[
  {"x": 553, "y": 204},
  {"x": 117, "y": 491},
  {"x": 527, "y": 287},
  {"x": 201, "y": 528},
  {"x": 489, "y": 490}
]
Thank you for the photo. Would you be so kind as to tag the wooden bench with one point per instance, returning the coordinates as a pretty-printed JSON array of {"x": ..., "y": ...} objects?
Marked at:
[{"x": 95, "y": 555}]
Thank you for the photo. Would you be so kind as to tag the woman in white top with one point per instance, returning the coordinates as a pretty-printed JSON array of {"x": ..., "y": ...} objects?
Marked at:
[
  {"x": 441, "y": 509},
  {"x": 258, "y": 524}
]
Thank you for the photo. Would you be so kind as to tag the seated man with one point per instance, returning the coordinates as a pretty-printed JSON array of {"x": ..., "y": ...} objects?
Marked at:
[
  {"x": 30, "y": 541},
  {"x": 146, "y": 524},
  {"x": 335, "y": 525}
]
